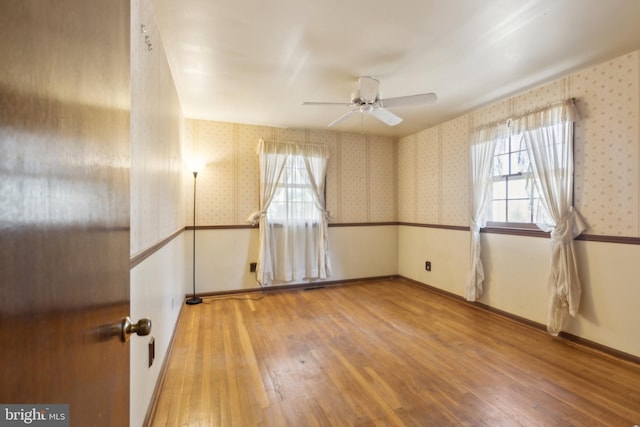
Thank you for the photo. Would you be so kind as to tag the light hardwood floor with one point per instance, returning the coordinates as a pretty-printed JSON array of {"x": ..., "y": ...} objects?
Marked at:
[{"x": 384, "y": 353}]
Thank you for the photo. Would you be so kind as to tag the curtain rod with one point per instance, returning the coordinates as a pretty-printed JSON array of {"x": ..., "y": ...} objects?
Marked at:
[
  {"x": 507, "y": 122},
  {"x": 497, "y": 123},
  {"x": 294, "y": 142},
  {"x": 540, "y": 109}
]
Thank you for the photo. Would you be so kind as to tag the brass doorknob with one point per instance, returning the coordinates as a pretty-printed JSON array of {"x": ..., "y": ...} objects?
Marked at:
[{"x": 127, "y": 327}]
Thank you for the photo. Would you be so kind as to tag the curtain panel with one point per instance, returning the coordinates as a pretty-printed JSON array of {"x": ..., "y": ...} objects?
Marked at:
[
  {"x": 483, "y": 144},
  {"x": 548, "y": 136},
  {"x": 293, "y": 233}
]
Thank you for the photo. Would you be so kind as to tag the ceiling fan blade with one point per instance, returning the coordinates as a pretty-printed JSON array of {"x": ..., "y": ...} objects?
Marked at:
[
  {"x": 400, "y": 101},
  {"x": 385, "y": 116},
  {"x": 344, "y": 117},
  {"x": 369, "y": 89},
  {"x": 328, "y": 103}
]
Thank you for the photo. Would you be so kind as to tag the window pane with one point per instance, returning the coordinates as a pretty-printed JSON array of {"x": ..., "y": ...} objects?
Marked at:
[
  {"x": 518, "y": 189},
  {"x": 511, "y": 186},
  {"x": 500, "y": 189},
  {"x": 502, "y": 146},
  {"x": 519, "y": 162},
  {"x": 501, "y": 165},
  {"x": 519, "y": 211},
  {"x": 517, "y": 143},
  {"x": 293, "y": 201},
  {"x": 498, "y": 211}
]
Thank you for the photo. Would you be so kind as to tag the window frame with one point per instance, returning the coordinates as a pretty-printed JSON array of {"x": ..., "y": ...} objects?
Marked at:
[
  {"x": 513, "y": 225},
  {"x": 527, "y": 227},
  {"x": 293, "y": 162}
]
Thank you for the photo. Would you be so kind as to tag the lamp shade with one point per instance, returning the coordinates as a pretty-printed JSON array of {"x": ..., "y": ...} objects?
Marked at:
[{"x": 196, "y": 164}]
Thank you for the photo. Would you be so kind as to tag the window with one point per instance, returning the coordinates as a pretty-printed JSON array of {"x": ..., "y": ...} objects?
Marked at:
[
  {"x": 293, "y": 218},
  {"x": 515, "y": 200},
  {"x": 293, "y": 201},
  {"x": 505, "y": 167},
  {"x": 514, "y": 197}
]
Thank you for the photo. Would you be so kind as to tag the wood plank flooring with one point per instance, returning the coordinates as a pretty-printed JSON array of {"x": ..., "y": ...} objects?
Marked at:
[{"x": 384, "y": 353}]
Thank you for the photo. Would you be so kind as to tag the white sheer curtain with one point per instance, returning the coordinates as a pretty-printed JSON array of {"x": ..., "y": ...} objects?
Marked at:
[
  {"x": 315, "y": 159},
  {"x": 271, "y": 168},
  {"x": 548, "y": 135},
  {"x": 483, "y": 145},
  {"x": 293, "y": 219}
]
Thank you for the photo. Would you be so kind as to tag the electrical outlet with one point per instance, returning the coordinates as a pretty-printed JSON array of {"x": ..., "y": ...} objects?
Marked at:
[
  {"x": 427, "y": 265},
  {"x": 252, "y": 267}
]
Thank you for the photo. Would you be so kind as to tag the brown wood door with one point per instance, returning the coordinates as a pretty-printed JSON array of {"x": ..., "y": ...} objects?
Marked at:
[{"x": 64, "y": 212}]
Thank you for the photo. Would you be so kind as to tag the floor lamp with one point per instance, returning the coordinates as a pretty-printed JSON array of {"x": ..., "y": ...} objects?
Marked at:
[{"x": 194, "y": 299}]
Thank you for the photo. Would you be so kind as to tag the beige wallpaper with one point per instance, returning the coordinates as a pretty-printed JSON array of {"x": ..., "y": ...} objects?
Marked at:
[
  {"x": 455, "y": 172},
  {"x": 433, "y": 175},
  {"x": 433, "y": 183},
  {"x": 427, "y": 176},
  {"x": 423, "y": 178},
  {"x": 361, "y": 175},
  {"x": 608, "y": 146},
  {"x": 407, "y": 191},
  {"x": 157, "y": 207},
  {"x": 381, "y": 178}
]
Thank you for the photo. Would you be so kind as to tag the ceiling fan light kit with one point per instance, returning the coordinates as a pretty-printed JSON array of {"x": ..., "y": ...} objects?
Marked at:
[{"x": 366, "y": 100}]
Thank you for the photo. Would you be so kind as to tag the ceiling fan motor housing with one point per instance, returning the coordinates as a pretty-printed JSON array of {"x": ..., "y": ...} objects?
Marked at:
[
  {"x": 366, "y": 99},
  {"x": 357, "y": 100}
]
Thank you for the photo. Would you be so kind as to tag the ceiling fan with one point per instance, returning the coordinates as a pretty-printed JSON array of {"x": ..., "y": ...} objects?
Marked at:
[{"x": 366, "y": 100}]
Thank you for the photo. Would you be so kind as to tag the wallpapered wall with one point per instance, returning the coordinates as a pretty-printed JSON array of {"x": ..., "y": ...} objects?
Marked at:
[
  {"x": 361, "y": 173},
  {"x": 157, "y": 208},
  {"x": 433, "y": 164},
  {"x": 421, "y": 179},
  {"x": 424, "y": 178},
  {"x": 434, "y": 174}
]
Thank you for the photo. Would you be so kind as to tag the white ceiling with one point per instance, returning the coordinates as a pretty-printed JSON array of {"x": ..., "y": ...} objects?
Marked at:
[{"x": 256, "y": 61}]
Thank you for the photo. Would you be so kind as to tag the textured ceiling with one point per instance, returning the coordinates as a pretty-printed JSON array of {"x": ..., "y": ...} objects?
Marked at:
[{"x": 257, "y": 61}]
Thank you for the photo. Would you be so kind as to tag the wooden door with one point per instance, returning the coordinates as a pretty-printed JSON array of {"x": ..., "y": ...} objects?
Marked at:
[{"x": 64, "y": 212}]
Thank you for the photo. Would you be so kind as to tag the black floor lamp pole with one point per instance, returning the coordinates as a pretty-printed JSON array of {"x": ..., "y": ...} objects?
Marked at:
[{"x": 194, "y": 300}]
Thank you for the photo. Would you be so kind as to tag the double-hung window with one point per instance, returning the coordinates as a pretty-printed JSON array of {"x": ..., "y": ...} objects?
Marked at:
[
  {"x": 514, "y": 201},
  {"x": 515, "y": 197},
  {"x": 293, "y": 218},
  {"x": 293, "y": 201},
  {"x": 522, "y": 178}
]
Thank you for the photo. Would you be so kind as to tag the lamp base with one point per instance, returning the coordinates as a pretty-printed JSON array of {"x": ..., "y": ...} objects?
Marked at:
[{"x": 194, "y": 300}]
